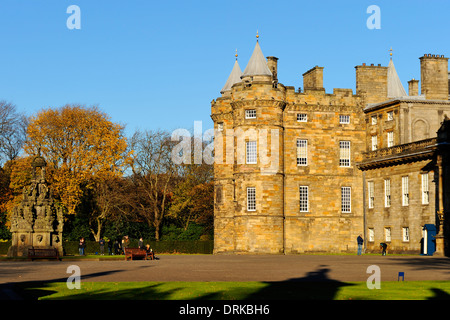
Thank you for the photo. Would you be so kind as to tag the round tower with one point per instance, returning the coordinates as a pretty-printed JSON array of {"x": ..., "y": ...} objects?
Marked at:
[
  {"x": 222, "y": 115},
  {"x": 257, "y": 104}
]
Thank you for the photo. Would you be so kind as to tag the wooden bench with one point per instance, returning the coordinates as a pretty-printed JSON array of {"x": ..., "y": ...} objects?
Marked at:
[
  {"x": 135, "y": 253},
  {"x": 35, "y": 253}
]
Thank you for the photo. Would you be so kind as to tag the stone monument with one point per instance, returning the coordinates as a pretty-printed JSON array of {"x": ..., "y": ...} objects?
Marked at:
[{"x": 36, "y": 222}]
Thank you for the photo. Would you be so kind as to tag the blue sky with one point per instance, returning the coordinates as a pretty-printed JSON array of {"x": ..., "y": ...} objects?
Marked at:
[{"x": 158, "y": 64}]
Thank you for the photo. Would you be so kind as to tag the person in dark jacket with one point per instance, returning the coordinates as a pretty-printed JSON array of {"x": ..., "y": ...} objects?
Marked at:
[
  {"x": 116, "y": 247},
  {"x": 360, "y": 242},
  {"x": 102, "y": 246},
  {"x": 110, "y": 247},
  {"x": 81, "y": 246},
  {"x": 383, "y": 247}
]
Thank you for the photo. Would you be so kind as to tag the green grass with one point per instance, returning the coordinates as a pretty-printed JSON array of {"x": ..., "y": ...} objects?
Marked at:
[{"x": 412, "y": 290}]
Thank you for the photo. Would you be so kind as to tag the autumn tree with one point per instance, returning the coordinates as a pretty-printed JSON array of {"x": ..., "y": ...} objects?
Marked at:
[
  {"x": 193, "y": 197},
  {"x": 153, "y": 173},
  {"x": 110, "y": 199},
  {"x": 79, "y": 143}
]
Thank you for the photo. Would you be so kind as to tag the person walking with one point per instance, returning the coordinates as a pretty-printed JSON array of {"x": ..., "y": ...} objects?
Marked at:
[
  {"x": 116, "y": 247},
  {"x": 383, "y": 247},
  {"x": 125, "y": 243},
  {"x": 141, "y": 243},
  {"x": 360, "y": 242},
  {"x": 81, "y": 246},
  {"x": 102, "y": 246},
  {"x": 110, "y": 246}
]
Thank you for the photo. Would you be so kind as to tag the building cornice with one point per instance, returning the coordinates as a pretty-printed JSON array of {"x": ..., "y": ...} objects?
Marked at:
[{"x": 410, "y": 152}]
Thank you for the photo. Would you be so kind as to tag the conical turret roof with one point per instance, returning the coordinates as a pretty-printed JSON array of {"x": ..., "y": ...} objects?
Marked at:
[
  {"x": 395, "y": 88},
  {"x": 257, "y": 65},
  {"x": 235, "y": 77}
]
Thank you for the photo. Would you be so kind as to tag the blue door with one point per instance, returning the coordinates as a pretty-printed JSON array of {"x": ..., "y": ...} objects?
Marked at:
[{"x": 429, "y": 241}]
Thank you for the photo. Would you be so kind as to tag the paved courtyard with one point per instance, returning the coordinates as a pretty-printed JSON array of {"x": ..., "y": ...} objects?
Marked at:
[{"x": 233, "y": 268}]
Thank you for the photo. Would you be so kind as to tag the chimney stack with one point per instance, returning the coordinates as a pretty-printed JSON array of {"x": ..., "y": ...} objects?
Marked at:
[
  {"x": 434, "y": 76},
  {"x": 313, "y": 78},
  {"x": 272, "y": 63},
  {"x": 371, "y": 82},
  {"x": 413, "y": 87}
]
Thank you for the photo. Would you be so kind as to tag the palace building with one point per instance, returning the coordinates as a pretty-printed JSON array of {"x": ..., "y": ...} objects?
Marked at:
[{"x": 308, "y": 171}]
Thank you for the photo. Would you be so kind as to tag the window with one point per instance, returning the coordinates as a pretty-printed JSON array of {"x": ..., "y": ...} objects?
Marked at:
[
  {"x": 302, "y": 117},
  {"x": 387, "y": 234},
  {"x": 220, "y": 126},
  {"x": 371, "y": 235},
  {"x": 344, "y": 153},
  {"x": 374, "y": 120},
  {"x": 219, "y": 194},
  {"x": 251, "y": 199},
  {"x": 371, "y": 193},
  {"x": 425, "y": 190},
  {"x": 390, "y": 139},
  {"x": 302, "y": 152},
  {"x": 346, "y": 199},
  {"x": 405, "y": 232},
  {"x": 387, "y": 193},
  {"x": 304, "y": 204},
  {"x": 251, "y": 152},
  {"x": 390, "y": 115},
  {"x": 344, "y": 119},
  {"x": 405, "y": 191},
  {"x": 374, "y": 143},
  {"x": 250, "y": 114}
]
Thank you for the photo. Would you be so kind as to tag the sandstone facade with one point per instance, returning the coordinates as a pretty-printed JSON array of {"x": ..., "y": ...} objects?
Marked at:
[{"x": 292, "y": 167}]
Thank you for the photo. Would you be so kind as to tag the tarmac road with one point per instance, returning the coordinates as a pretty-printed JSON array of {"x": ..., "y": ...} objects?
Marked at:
[{"x": 233, "y": 268}]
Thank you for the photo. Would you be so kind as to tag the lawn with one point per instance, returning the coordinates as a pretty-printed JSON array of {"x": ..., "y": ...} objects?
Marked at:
[{"x": 411, "y": 290}]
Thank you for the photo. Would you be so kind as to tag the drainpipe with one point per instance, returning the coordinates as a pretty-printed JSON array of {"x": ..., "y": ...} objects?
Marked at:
[{"x": 364, "y": 210}]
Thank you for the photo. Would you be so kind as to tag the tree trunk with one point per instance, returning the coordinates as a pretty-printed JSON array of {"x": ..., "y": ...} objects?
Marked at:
[
  {"x": 97, "y": 233},
  {"x": 157, "y": 231}
]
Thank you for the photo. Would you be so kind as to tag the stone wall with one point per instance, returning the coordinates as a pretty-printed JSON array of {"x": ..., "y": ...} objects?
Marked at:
[{"x": 398, "y": 216}]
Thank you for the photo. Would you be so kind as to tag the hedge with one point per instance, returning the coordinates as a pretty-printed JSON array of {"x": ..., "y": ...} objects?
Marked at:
[{"x": 167, "y": 246}]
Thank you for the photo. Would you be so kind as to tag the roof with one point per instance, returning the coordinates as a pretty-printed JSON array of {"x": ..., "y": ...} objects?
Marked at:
[
  {"x": 407, "y": 99},
  {"x": 235, "y": 77},
  {"x": 395, "y": 88},
  {"x": 257, "y": 65}
]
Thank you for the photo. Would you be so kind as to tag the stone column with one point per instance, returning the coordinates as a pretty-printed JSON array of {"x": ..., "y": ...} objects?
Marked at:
[{"x": 440, "y": 213}]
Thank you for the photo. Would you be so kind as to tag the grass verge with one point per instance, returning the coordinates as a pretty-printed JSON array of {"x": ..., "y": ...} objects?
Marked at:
[{"x": 412, "y": 290}]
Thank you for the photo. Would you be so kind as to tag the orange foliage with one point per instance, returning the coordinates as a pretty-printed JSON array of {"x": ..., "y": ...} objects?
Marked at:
[{"x": 78, "y": 144}]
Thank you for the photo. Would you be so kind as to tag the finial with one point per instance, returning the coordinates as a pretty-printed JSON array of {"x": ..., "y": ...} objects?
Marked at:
[
  {"x": 236, "y": 55},
  {"x": 390, "y": 52},
  {"x": 257, "y": 35}
]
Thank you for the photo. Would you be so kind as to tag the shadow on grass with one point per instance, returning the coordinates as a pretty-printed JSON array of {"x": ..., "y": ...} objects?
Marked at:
[
  {"x": 315, "y": 285},
  {"x": 439, "y": 294}
]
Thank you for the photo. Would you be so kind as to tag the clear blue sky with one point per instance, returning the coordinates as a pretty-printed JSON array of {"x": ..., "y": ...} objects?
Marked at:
[{"x": 158, "y": 64}]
